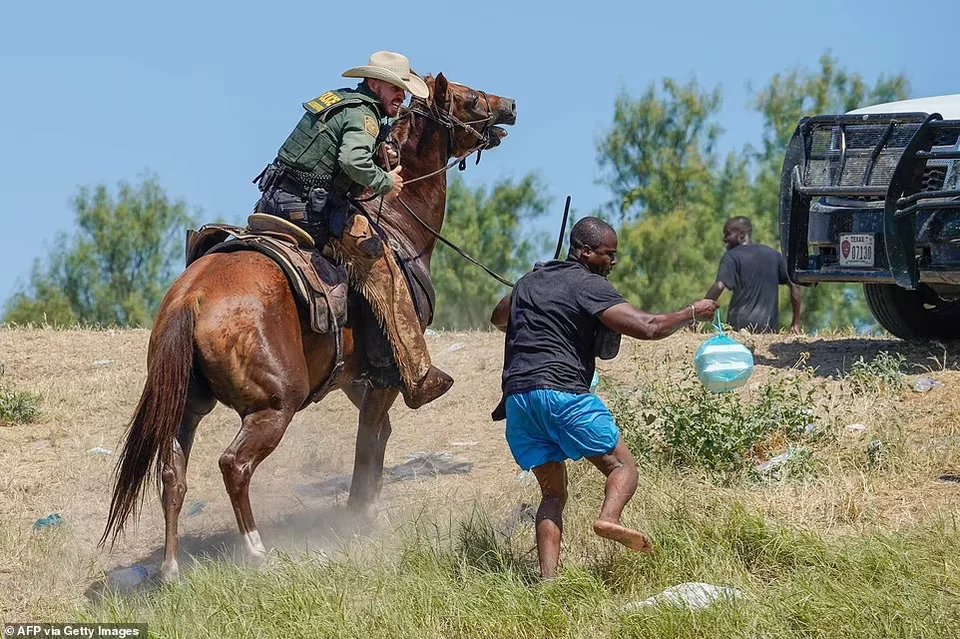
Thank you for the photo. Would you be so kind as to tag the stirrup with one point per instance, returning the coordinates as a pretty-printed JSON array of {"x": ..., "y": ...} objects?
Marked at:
[{"x": 264, "y": 223}]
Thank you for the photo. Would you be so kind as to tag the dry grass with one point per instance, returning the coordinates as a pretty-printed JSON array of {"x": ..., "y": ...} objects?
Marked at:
[{"x": 90, "y": 382}]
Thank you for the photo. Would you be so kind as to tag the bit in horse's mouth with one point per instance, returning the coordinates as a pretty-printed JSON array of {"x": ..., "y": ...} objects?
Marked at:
[{"x": 493, "y": 135}]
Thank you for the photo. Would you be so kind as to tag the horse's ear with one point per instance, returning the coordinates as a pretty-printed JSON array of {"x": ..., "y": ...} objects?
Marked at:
[{"x": 440, "y": 91}]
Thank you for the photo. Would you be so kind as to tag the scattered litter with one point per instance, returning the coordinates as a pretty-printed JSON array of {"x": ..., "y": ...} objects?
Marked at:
[
  {"x": 453, "y": 348},
  {"x": 464, "y": 443},
  {"x": 430, "y": 332},
  {"x": 418, "y": 466},
  {"x": 876, "y": 452},
  {"x": 855, "y": 429},
  {"x": 692, "y": 595},
  {"x": 775, "y": 463},
  {"x": 100, "y": 363},
  {"x": 101, "y": 451},
  {"x": 196, "y": 508},
  {"x": 521, "y": 513},
  {"x": 810, "y": 429},
  {"x": 949, "y": 478},
  {"x": 925, "y": 384},
  {"x": 124, "y": 580},
  {"x": 51, "y": 520}
]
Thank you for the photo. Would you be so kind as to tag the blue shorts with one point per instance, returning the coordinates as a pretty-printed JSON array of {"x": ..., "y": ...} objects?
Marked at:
[{"x": 550, "y": 426}]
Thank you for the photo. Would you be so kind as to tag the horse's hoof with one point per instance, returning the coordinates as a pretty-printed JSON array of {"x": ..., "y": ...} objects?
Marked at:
[
  {"x": 169, "y": 573},
  {"x": 366, "y": 511}
]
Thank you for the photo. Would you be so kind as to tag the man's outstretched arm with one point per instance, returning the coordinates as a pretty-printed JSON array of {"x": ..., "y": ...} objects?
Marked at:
[
  {"x": 630, "y": 320},
  {"x": 715, "y": 291}
]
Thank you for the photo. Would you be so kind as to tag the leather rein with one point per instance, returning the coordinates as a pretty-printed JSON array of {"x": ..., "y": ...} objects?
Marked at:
[{"x": 451, "y": 123}]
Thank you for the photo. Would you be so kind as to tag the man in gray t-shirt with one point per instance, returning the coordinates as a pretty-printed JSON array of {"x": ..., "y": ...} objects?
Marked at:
[{"x": 753, "y": 273}]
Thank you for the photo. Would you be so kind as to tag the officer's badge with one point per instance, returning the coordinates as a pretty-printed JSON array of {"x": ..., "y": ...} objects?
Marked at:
[
  {"x": 371, "y": 126},
  {"x": 320, "y": 103}
]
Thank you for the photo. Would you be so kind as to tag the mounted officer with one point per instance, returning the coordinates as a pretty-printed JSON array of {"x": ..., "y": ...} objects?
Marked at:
[{"x": 325, "y": 164}]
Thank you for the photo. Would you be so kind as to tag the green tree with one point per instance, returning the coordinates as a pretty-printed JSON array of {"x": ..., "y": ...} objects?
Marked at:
[
  {"x": 116, "y": 267},
  {"x": 671, "y": 191},
  {"x": 658, "y": 154},
  {"x": 488, "y": 224}
]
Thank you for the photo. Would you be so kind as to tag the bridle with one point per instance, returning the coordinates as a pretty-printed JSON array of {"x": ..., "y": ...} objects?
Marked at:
[{"x": 486, "y": 138}]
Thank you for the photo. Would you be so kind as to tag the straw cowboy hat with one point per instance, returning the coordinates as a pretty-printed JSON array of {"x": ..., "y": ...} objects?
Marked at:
[{"x": 393, "y": 68}]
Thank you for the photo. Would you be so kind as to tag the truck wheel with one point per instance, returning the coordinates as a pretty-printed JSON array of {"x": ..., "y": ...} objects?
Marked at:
[{"x": 919, "y": 314}]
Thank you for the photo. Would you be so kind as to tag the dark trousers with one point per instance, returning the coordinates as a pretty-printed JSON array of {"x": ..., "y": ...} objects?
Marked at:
[{"x": 322, "y": 215}]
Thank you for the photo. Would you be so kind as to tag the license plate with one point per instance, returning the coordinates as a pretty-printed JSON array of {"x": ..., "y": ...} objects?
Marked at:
[{"x": 856, "y": 250}]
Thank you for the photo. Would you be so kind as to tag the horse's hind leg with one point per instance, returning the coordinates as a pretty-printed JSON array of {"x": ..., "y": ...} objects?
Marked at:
[
  {"x": 174, "y": 475},
  {"x": 259, "y": 434}
]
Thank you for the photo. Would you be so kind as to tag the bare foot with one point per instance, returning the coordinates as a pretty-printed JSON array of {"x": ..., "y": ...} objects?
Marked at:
[{"x": 632, "y": 539}]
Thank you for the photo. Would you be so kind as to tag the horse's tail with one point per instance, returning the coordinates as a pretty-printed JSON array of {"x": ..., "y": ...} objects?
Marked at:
[{"x": 157, "y": 419}]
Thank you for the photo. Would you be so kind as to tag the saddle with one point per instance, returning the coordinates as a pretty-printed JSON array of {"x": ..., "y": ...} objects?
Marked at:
[{"x": 319, "y": 285}]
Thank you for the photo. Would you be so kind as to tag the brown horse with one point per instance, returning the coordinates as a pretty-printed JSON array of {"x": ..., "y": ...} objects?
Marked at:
[{"x": 229, "y": 330}]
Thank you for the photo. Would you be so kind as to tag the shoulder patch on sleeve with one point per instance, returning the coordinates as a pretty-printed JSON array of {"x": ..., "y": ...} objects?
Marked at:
[
  {"x": 322, "y": 102},
  {"x": 371, "y": 126}
]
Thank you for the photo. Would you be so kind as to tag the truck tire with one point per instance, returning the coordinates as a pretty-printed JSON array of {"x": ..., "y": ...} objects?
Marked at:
[{"x": 919, "y": 314}]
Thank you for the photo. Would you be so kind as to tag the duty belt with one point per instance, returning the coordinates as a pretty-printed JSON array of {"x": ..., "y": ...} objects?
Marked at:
[
  {"x": 289, "y": 183},
  {"x": 299, "y": 183}
]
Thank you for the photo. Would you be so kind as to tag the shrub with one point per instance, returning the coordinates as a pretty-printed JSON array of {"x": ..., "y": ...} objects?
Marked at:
[
  {"x": 884, "y": 373},
  {"x": 17, "y": 407},
  {"x": 695, "y": 428}
]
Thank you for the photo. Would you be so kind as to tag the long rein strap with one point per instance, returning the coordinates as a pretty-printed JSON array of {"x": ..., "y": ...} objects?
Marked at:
[
  {"x": 457, "y": 160},
  {"x": 456, "y": 248}
]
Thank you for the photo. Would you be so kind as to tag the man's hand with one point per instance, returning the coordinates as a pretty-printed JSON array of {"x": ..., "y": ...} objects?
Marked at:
[
  {"x": 397, "y": 182},
  {"x": 704, "y": 309}
]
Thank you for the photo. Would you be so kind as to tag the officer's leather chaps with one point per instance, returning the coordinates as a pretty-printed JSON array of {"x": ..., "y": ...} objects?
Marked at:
[{"x": 374, "y": 271}]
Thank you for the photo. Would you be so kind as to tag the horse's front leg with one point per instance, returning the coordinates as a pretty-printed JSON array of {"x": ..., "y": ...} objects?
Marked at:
[{"x": 372, "y": 435}]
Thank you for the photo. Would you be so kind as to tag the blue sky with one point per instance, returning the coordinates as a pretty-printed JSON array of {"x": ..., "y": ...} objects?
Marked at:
[{"x": 203, "y": 93}]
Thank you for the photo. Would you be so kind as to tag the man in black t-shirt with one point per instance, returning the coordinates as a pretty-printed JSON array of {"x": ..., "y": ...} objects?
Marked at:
[
  {"x": 556, "y": 319},
  {"x": 753, "y": 272}
]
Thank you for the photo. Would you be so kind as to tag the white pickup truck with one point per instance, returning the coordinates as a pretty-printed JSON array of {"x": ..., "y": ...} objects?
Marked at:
[{"x": 873, "y": 196}]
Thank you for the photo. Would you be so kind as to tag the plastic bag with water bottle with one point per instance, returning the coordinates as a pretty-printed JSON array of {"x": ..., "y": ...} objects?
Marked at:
[{"x": 722, "y": 363}]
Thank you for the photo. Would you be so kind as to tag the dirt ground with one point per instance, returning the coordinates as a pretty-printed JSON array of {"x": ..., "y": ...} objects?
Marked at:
[{"x": 90, "y": 382}]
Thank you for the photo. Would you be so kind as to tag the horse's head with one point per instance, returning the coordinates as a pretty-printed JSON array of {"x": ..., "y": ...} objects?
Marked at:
[{"x": 470, "y": 116}]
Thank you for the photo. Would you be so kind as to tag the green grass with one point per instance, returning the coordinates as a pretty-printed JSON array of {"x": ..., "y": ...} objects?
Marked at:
[
  {"x": 18, "y": 407},
  {"x": 882, "y": 374},
  {"x": 473, "y": 583},
  {"x": 682, "y": 423},
  {"x": 855, "y": 578},
  {"x": 812, "y": 554}
]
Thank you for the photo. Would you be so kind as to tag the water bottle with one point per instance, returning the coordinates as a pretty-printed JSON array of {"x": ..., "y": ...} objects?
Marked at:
[
  {"x": 723, "y": 364},
  {"x": 125, "y": 580},
  {"x": 925, "y": 384},
  {"x": 595, "y": 382}
]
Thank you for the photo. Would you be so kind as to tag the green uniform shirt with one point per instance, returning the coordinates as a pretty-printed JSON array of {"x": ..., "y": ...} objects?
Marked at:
[{"x": 335, "y": 141}]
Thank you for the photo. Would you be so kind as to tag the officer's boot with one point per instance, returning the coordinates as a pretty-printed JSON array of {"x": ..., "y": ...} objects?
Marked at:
[{"x": 374, "y": 271}]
